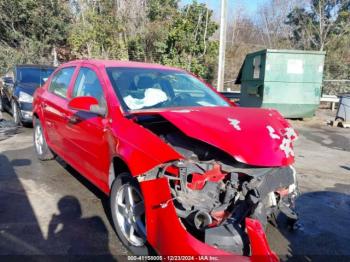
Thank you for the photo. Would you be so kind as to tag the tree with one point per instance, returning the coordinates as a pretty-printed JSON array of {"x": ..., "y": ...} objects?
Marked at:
[
  {"x": 271, "y": 18},
  {"x": 150, "y": 43},
  {"x": 30, "y": 30},
  {"x": 320, "y": 24},
  {"x": 188, "y": 43},
  {"x": 161, "y": 9},
  {"x": 97, "y": 32},
  {"x": 177, "y": 37},
  {"x": 324, "y": 26}
]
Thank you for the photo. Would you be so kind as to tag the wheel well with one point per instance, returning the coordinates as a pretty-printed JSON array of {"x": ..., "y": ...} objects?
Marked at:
[
  {"x": 36, "y": 115},
  {"x": 117, "y": 167}
]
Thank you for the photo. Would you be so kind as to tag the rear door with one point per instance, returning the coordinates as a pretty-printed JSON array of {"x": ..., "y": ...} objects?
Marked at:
[
  {"x": 85, "y": 132},
  {"x": 54, "y": 103}
]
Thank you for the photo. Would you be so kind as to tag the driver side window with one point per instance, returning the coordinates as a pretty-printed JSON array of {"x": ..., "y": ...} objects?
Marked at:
[
  {"x": 60, "y": 81},
  {"x": 88, "y": 84}
]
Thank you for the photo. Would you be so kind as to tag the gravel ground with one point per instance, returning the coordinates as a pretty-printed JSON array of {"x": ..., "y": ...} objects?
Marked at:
[
  {"x": 46, "y": 208},
  {"x": 7, "y": 129},
  {"x": 323, "y": 166}
]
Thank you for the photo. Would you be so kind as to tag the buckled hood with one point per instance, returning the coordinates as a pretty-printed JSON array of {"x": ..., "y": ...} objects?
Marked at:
[{"x": 260, "y": 137}]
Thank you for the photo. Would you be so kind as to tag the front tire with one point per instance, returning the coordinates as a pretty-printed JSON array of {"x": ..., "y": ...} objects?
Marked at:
[
  {"x": 2, "y": 106},
  {"x": 42, "y": 150},
  {"x": 16, "y": 113},
  {"x": 128, "y": 213}
]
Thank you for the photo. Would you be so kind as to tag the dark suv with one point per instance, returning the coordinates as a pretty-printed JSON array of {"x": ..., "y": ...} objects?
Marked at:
[{"x": 16, "y": 94}]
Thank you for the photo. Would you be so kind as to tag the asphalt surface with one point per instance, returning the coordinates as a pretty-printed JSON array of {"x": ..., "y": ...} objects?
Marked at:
[{"x": 46, "y": 208}]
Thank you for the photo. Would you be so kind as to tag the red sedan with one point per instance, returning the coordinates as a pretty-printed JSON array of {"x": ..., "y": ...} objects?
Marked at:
[{"x": 187, "y": 172}]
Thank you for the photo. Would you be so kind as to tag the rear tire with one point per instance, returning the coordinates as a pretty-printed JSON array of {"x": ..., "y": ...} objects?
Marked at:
[
  {"x": 128, "y": 213},
  {"x": 42, "y": 150}
]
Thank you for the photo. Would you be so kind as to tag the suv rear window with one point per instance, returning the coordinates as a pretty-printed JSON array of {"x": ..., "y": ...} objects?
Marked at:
[
  {"x": 61, "y": 80},
  {"x": 32, "y": 75}
]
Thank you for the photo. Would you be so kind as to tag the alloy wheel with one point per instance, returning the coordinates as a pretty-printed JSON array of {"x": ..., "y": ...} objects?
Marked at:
[
  {"x": 15, "y": 113},
  {"x": 130, "y": 212},
  {"x": 39, "y": 139}
]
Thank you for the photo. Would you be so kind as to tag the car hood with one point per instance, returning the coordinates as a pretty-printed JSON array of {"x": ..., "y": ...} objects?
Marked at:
[
  {"x": 259, "y": 137},
  {"x": 29, "y": 88}
]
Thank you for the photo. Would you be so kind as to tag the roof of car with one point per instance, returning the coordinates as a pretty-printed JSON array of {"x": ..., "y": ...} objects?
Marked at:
[
  {"x": 115, "y": 63},
  {"x": 36, "y": 66}
]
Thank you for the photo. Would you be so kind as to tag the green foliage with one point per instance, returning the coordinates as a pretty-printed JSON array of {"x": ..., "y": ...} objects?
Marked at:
[
  {"x": 188, "y": 43},
  {"x": 158, "y": 31},
  {"x": 98, "y": 33},
  {"x": 161, "y": 9},
  {"x": 29, "y": 30},
  {"x": 325, "y": 26},
  {"x": 179, "y": 38}
]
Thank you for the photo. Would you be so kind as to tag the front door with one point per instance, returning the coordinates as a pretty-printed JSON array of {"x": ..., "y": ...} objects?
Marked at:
[
  {"x": 85, "y": 132},
  {"x": 54, "y": 104}
]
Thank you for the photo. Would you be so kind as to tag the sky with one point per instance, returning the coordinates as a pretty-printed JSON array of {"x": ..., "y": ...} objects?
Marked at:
[{"x": 249, "y": 5}]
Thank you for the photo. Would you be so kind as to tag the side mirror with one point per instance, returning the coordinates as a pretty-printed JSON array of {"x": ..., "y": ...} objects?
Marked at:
[{"x": 87, "y": 104}]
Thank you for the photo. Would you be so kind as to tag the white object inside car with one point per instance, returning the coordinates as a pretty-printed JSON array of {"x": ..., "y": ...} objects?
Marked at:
[{"x": 153, "y": 96}]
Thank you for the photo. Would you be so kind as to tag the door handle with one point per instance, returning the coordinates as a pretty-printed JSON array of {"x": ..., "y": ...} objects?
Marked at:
[{"x": 72, "y": 119}]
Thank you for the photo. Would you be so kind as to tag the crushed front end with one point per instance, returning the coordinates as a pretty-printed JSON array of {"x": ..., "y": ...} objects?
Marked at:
[
  {"x": 208, "y": 203},
  {"x": 213, "y": 201}
]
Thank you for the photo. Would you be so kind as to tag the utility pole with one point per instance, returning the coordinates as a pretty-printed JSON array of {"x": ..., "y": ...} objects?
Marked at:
[
  {"x": 54, "y": 54},
  {"x": 221, "y": 67}
]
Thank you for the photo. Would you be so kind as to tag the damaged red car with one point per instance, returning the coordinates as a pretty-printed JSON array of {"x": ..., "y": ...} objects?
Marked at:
[{"x": 187, "y": 172}]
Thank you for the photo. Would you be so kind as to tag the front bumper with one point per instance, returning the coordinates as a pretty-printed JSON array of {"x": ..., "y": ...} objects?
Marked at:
[
  {"x": 26, "y": 111},
  {"x": 169, "y": 237},
  {"x": 27, "y": 116}
]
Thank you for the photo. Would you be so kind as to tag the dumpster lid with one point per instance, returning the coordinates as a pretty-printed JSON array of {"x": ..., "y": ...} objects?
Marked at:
[
  {"x": 287, "y": 51},
  {"x": 293, "y": 51}
]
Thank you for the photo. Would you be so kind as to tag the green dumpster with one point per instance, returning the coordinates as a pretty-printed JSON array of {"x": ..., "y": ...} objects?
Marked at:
[{"x": 287, "y": 80}]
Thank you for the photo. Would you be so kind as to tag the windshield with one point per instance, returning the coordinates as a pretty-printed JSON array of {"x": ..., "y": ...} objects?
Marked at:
[
  {"x": 33, "y": 75},
  {"x": 140, "y": 88}
]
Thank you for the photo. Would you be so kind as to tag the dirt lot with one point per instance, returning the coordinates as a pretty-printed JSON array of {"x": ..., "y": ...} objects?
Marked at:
[{"x": 47, "y": 208}]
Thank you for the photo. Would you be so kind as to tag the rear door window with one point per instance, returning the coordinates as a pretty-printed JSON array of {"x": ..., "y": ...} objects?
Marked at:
[{"x": 60, "y": 82}]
